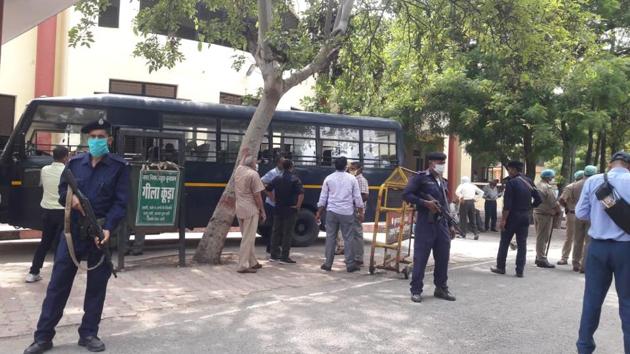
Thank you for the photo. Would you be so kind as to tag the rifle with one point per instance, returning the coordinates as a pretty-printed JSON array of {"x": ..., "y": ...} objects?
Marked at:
[
  {"x": 94, "y": 228},
  {"x": 444, "y": 213}
]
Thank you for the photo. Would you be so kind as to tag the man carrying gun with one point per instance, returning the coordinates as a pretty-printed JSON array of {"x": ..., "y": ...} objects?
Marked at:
[
  {"x": 427, "y": 191},
  {"x": 104, "y": 180}
]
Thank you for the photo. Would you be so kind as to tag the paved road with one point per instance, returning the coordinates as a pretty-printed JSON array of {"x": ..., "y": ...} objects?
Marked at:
[{"x": 370, "y": 314}]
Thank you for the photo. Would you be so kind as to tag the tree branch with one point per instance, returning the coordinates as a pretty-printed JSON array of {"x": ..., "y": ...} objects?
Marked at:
[
  {"x": 328, "y": 49},
  {"x": 265, "y": 16}
]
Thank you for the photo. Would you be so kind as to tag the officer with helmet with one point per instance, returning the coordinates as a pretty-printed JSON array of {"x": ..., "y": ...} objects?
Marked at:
[{"x": 543, "y": 216}]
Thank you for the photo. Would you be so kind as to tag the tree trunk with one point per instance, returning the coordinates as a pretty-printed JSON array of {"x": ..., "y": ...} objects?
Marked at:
[
  {"x": 589, "y": 150},
  {"x": 530, "y": 159},
  {"x": 213, "y": 239},
  {"x": 602, "y": 151},
  {"x": 565, "y": 168},
  {"x": 598, "y": 147}
]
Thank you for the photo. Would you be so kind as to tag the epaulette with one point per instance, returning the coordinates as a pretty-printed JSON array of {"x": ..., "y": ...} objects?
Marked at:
[
  {"x": 118, "y": 158},
  {"x": 78, "y": 156}
]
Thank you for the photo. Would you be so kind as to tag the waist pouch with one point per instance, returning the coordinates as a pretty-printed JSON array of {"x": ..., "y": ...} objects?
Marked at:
[{"x": 615, "y": 206}]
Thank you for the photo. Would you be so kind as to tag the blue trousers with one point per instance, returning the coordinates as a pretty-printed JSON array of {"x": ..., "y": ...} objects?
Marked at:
[
  {"x": 430, "y": 237},
  {"x": 61, "y": 283},
  {"x": 605, "y": 259},
  {"x": 517, "y": 223}
]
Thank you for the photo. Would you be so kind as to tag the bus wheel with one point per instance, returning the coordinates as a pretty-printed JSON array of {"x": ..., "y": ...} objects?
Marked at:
[{"x": 306, "y": 229}]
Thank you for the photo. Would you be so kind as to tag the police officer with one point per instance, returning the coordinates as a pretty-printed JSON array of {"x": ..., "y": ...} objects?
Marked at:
[
  {"x": 568, "y": 203},
  {"x": 517, "y": 202},
  {"x": 607, "y": 253},
  {"x": 428, "y": 190},
  {"x": 104, "y": 178},
  {"x": 543, "y": 217}
]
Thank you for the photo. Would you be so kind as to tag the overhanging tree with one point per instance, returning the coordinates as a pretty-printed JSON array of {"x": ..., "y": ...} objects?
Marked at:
[{"x": 286, "y": 51}]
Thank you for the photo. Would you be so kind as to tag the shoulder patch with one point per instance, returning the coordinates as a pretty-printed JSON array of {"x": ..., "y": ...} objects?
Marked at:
[{"x": 118, "y": 158}]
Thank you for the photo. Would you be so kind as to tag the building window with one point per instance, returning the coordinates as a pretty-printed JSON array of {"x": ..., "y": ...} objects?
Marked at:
[
  {"x": 238, "y": 100},
  {"x": 137, "y": 88},
  {"x": 109, "y": 17}
]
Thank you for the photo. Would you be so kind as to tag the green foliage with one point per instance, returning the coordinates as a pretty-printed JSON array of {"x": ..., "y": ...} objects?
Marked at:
[{"x": 81, "y": 34}]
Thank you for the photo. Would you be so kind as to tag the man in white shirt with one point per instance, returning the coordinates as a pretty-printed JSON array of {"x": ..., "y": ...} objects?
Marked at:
[
  {"x": 466, "y": 193},
  {"x": 340, "y": 197},
  {"x": 52, "y": 217}
]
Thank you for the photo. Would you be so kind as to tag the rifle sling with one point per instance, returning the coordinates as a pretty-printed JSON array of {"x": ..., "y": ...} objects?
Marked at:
[{"x": 68, "y": 234}]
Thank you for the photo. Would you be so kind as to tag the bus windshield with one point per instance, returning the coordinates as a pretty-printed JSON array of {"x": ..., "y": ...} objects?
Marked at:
[{"x": 59, "y": 125}]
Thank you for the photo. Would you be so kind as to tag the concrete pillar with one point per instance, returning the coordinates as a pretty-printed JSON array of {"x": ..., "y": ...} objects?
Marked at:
[
  {"x": 453, "y": 161},
  {"x": 45, "y": 59}
]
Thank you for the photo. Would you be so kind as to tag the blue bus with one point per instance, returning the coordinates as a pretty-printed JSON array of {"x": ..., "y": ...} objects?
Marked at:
[{"x": 206, "y": 136}]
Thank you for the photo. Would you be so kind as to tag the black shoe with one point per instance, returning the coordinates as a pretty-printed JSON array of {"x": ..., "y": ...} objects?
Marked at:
[
  {"x": 562, "y": 262},
  {"x": 416, "y": 298},
  {"x": 544, "y": 264},
  {"x": 38, "y": 347},
  {"x": 325, "y": 267},
  {"x": 497, "y": 270},
  {"x": 476, "y": 237},
  {"x": 136, "y": 253},
  {"x": 287, "y": 261},
  {"x": 443, "y": 293},
  {"x": 353, "y": 268},
  {"x": 92, "y": 343},
  {"x": 494, "y": 230},
  {"x": 519, "y": 275}
]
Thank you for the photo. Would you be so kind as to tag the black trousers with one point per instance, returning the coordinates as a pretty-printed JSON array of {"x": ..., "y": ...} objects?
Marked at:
[
  {"x": 282, "y": 234},
  {"x": 517, "y": 223},
  {"x": 490, "y": 208},
  {"x": 467, "y": 218},
  {"x": 52, "y": 220}
]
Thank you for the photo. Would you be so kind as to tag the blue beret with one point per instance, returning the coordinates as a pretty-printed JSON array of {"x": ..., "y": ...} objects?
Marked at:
[{"x": 548, "y": 173}]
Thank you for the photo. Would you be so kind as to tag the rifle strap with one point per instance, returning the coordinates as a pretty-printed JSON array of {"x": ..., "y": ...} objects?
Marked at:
[{"x": 68, "y": 234}]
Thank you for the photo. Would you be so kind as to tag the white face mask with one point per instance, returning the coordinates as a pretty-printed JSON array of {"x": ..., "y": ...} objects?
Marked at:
[
  {"x": 256, "y": 168},
  {"x": 440, "y": 168}
]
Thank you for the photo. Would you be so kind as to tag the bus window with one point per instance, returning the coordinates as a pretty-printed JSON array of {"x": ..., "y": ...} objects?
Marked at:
[
  {"x": 379, "y": 148},
  {"x": 232, "y": 132},
  {"x": 56, "y": 125},
  {"x": 200, "y": 134},
  {"x": 296, "y": 142},
  {"x": 339, "y": 141}
]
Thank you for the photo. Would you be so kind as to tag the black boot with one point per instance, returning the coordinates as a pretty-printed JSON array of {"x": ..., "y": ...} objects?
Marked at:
[
  {"x": 497, "y": 270},
  {"x": 443, "y": 293},
  {"x": 544, "y": 264},
  {"x": 416, "y": 298},
  {"x": 92, "y": 343},
  {"x": 38, "y": 347}
]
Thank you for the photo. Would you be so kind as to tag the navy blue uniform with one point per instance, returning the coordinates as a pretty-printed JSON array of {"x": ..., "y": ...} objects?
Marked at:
[
  {"x": 517, "y": 199},
  {"x": 107, "y": 188},
  {"x": 431, "y": 233}
]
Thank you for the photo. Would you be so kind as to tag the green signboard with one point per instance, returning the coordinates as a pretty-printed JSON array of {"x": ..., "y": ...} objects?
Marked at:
[{"x": 158, "y": 192}]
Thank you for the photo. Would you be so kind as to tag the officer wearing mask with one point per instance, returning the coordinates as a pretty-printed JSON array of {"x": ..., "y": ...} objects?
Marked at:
[
  {"x": 519, "y": 197},
  {"x": 427, "y": 191},
  {"x": 543, "y": 216},
  {"x": 104, "y": 178}
]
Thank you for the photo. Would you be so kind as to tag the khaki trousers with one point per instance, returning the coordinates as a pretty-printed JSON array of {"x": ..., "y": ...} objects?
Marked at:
[
  {"x": 566, "y": 248},
  {"x": 580, "y": 242},
  {"x": 246, "y": 255},
  {"x": 544, "y": 225}
]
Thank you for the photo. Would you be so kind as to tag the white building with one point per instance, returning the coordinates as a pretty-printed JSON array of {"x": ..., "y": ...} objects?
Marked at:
[{"x": 40, "y": 63}]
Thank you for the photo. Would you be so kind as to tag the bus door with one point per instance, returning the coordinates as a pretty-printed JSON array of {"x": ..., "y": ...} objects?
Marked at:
[{"x": 141, "y": 147}]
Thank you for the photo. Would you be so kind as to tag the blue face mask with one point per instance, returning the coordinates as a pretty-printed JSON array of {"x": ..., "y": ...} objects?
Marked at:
[{"x": 98, "y": 147}]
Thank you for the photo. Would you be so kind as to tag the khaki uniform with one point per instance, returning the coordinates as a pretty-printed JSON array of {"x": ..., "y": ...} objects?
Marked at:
[
  {"x": 543, "y": 218},
  {"x": 576, "y": 229},
  {"x": 246, "y": 184}
]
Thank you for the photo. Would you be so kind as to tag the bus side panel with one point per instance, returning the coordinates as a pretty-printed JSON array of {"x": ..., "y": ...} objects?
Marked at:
[
  {"x": 25, "y": 196},
  {"x": 204, "y": 186}
]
